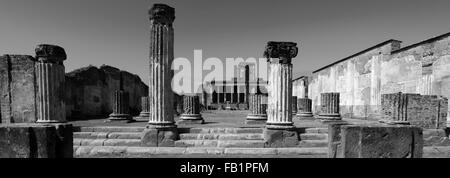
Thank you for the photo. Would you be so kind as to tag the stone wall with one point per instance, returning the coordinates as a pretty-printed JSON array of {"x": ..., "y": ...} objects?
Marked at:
[
  {"x": 425, "y": 111},
  {"x": 422, "y": 68},
  {"x": 17, "y": 89},
  {"x": 89, "y": 91}
]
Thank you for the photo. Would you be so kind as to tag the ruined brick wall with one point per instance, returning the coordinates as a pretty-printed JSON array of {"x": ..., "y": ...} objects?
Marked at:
[
  {"x": 356, "y": 79},
  {"x": 425, "y": 111},
  {"x": 90, "y": 90},
  {"x": 17, "y": 89},
  {"x": 422, "y": 68}
]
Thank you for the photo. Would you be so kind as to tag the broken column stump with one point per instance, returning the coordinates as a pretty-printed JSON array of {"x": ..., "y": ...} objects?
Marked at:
[
  {"x": 121, "y": 107},
  {"x": 330, "y": 108},
  {"x": 425, "y": 111},
  {"x": 36, "y": 141},
  {"x": 191, "y": 112},
  {"x": 145, "y": 109},
  {"x": 258, "y": 109},
  {"x": 304, "y": 108},
  {"x": 375, "y": 141}
]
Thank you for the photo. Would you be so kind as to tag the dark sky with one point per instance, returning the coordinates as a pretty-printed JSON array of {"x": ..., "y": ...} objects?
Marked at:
[{"x": 115, "y": 32}]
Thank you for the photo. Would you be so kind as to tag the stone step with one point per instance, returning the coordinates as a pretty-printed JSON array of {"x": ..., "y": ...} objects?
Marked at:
[
  {"x": 106, "y": 142},
  {"x": 316, "y": 130},
  {"x": 195, "y": 152},
  {"x": 313, "y": 143},
  {"x": 313, "y": 136},
  {"x": 223, "y": 130},
  {"x": 191, "y": 136},
  {"x": 107, "y": 135},
  {"x": 109, "y": 129},
  {"x": 221, "y": 143}
]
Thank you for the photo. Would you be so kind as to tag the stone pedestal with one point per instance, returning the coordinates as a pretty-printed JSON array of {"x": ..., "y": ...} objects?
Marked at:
[
  {"x": 376, "y": 141},
  {"x": 145, "y": 109},
  {"x": 121, "y": 107},
  {"x": 50, "y": 78},
  {"x": 330, "y": 108},
  {"x": 258, "y": 109},
  {"x": 161, "y": 129},
  {"x": 36, "y": 140},
  {"x": 280, "y": 130},
  {"x": 191, "y": 114},
  {"x": 304, "y": 108},
  {"x": 294, "y": 105}
]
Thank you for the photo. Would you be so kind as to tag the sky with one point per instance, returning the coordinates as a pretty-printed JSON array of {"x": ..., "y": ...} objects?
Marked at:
[{"x": 116, "y": 32}]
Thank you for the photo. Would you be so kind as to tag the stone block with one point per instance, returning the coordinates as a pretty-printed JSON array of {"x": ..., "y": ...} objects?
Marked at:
[
  {"x": 36, "y": 141},
  {"x": 17, "y": 89},
  {"x": 334, "y": 140},
  {"x": 381, "y": 141},
  {"x": 160, "y": 137},
  {"x": 280, "y": 138}
]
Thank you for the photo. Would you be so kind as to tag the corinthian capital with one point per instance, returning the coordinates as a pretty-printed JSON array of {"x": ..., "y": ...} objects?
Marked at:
[
  {"x": 285, "y": 51},
  {"x": 162, "y": 14}
]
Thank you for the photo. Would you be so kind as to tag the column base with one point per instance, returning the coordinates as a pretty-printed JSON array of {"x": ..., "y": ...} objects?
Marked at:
[
  {"x": 280, "y": 126},
  {"x": 125, "y": 118},
  {"x": 191, "y": 119},
  {"x": 391, "y": 122},
  {"x": 305, "y": 115},
  {"x": 332, "y": 117},
  {"x": 277, "y": 138},
  {"x": 160, "y": 136},
  {"x": 143, "y": 117},
  {"x": 256, "y": 119},
  {"x": 50, "y": 122}
]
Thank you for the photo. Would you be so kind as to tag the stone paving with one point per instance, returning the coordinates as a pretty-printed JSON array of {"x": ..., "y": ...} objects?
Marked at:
[{"x": 213, "y": 119}]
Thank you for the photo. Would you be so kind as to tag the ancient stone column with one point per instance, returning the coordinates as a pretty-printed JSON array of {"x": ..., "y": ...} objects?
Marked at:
[
  {"x": 294, "y": 105},
  {"x": 329, "y": 107},
  {"x": 258, "y": 109},
  {"x": 279, "y": 111},
  {"x": 50, "y": 78},
  {"x": 121, "y": 107},
  {"x": 191, "y": 114},
  {"x": 304, "y": 108},
  {"x": 145, "y": 108},
  {"x": 161, "y": 130}
]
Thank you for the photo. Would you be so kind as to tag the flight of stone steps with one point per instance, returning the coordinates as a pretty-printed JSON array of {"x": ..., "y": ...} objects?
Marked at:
[{"x": 194, "y": 142}]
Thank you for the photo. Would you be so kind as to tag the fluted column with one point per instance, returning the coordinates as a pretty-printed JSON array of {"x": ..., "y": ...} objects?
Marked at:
[
  {"x": 279, "y": 111},
  {"x": 394, "y": 108},
  {"x": 145, "y": 108},
  {"x": 191, "y": 114},
  {"x": 50, "y": 78},
  {"x": 304, "y": 108},
  {"x": 161, "y": 57},
  {"x": 161, "y": 130},
  {"x": 294, "y": 105},
  {"x": 330, "y": 107},
  {"x": 121, "y": 107},
  {"x": 258, "y": 109}
]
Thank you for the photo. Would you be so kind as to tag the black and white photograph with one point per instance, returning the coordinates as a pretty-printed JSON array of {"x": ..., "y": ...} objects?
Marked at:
[{"x": 199, "y": 80}]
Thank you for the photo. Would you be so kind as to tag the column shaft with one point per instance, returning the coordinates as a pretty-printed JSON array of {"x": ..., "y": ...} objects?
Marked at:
[
  {"x": 160, "y": 91},
  {"x": 330, "y": 106}
]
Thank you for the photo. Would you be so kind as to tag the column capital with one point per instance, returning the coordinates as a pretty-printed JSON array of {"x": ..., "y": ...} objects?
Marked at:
[
  {"x": 284, "y": 51},
  {"x": 50, "y": 53},
  {"x": 162, "y": 14}
]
